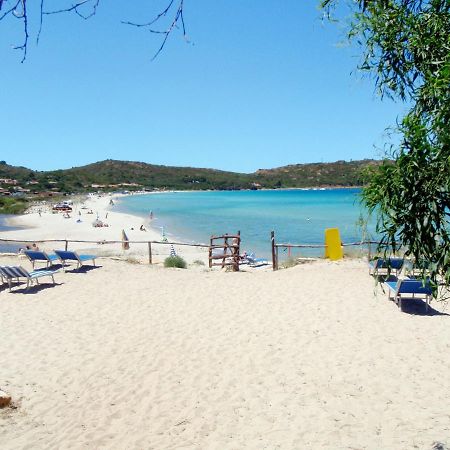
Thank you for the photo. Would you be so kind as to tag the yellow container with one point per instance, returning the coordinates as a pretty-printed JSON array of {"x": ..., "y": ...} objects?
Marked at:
[{"x": 333, "y": 249}]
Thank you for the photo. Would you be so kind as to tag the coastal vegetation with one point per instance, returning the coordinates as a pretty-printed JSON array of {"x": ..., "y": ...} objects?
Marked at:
[
  {"x": 406, "y": 48},
  {"x": 111, "y": 175},
  {"x": 12, "y": 205},
  {"x": 175, "y": 261}
]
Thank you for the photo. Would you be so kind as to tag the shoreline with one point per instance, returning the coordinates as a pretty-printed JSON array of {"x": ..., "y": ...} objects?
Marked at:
[
  {"x": 51, "y": 226},
  {"x": 151, "y": 224},
  {"x": 37, "y": 227}
]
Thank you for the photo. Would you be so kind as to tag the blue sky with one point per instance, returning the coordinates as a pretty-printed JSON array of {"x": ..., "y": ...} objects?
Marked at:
[{"x": 262, "y": 84}]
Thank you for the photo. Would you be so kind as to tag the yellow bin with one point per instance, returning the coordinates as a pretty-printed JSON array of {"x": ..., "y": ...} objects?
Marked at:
[{"x": 333, "y": 249}]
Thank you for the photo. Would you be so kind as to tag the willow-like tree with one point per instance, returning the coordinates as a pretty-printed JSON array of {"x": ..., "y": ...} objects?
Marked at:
[{"x": 406, "y": 48}]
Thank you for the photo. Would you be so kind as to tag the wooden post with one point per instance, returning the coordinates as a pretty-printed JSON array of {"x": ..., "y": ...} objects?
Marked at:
[
  {"x": 150, "y": 260},
  {"x": 274, "y": 258},
  {"x": 236, "y": 252},
  {"x": 5, "y": 399},
  {"x": 210, "y": 252},
  {"x": 67, "y": 245},
  {"x": 225, "y": 251}
]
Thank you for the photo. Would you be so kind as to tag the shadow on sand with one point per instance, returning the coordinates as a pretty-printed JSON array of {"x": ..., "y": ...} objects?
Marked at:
[
  {"x": 32, "y": 289},
  {"x": 81, "y": 269},
  {"x": 417, "y": 307}
]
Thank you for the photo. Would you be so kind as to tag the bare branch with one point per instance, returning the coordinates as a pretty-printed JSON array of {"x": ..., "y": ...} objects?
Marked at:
[
  {"x": 162, "y": 14},
  {"x": 24, "y": 17},
  {"x": 19, "y": 11},
  {"x": 9, "y": 11},
  {"x": 75, "y": 8},
  {"x": 178, "y": 19},
  {"x": 41, "y": 16}
]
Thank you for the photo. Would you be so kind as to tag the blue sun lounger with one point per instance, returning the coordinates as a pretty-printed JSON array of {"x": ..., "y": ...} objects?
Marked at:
[
  {"x": 382, "y": 266},
  {"x": 11, "y": 273},
  {"x": 408, "y": 289},
  {"x": 66, "y": 255},
  {"x": 36, "y": 256}
]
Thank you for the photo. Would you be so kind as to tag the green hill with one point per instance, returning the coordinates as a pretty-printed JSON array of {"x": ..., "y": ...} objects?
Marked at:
[
  {"x": 339, "y": 173},
  {"x": 111, "y": 175}
]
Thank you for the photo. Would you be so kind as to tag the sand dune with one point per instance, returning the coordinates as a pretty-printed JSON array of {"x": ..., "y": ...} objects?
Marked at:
[{"x": 138, "y": 357}]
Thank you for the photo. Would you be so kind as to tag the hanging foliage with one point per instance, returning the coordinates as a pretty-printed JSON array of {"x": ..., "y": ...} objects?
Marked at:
[{"x": 406, "y": 48}]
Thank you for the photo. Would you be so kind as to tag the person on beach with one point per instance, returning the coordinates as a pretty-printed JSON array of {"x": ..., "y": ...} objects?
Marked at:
[
  {"x": 142, "y": 228},
  {"x": 151, "y": 215}
]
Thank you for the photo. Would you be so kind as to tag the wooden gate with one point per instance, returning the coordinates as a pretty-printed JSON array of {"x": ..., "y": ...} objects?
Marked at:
[{"x": 225, "y": 248}]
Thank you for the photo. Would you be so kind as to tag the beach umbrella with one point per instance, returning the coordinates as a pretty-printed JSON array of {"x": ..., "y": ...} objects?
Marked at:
[{"x": 125, "y": 243}]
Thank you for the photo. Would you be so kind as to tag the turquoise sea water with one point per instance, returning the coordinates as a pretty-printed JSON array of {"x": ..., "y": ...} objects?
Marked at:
[
  {"x": 296, "y": 216},
  {"x": 5, "y": 247}
]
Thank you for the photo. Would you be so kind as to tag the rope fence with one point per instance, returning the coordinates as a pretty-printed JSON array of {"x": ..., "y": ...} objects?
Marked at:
[
  {"x": 66, "y": 243},
  {"x": 151, "y": 244},
  {"x": 276, "y": 246}
]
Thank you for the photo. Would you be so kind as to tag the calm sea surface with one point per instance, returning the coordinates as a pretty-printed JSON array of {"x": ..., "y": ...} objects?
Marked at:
[
  {"x": 296, "y": 216},
  {"x": 4, "y": 227}
]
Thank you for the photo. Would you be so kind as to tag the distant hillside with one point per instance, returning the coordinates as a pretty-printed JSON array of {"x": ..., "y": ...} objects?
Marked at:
[
  {"x": 15, "y": 172},
  {"x": 120, "y": 175},
  {"x": 153, "y": 176},
  {"x": 339, "y": 173}
]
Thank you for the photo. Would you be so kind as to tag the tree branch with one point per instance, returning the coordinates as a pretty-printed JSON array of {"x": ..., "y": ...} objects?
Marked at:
[
  {"x": 23, "y": 15},
  {"x": 19, "y": 11},
  {"x": 75, "y": 8},
  {"x": 177, "y": 19}
]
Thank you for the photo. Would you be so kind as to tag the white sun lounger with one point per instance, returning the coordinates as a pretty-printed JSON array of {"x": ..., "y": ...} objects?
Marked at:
[{"x": 11, "y": 273}]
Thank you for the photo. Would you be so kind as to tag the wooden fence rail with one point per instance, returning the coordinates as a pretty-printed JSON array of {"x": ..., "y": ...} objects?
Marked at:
[
  {"x": 23, "y": 241},
  {"x": 80, "y": 241},
  {"x": 234, "y": 248},
  {"x": 276, "y": 246}
]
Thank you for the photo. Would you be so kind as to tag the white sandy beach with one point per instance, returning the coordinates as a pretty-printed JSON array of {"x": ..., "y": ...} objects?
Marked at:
[
  {"x": 133, "y": 356},
  {"x": 47, "y": 226}
]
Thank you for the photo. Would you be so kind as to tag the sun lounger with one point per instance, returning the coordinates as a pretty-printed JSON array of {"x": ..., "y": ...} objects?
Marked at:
[
  {"x": 380, "y": 266},
  {"x": 408, "y": 289},
  {"x": 65, "y": 255},
  {"x": 255, "y": 262},
  {"x": 36, "y": 256},
  {"x": 11, "y": 273}
]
